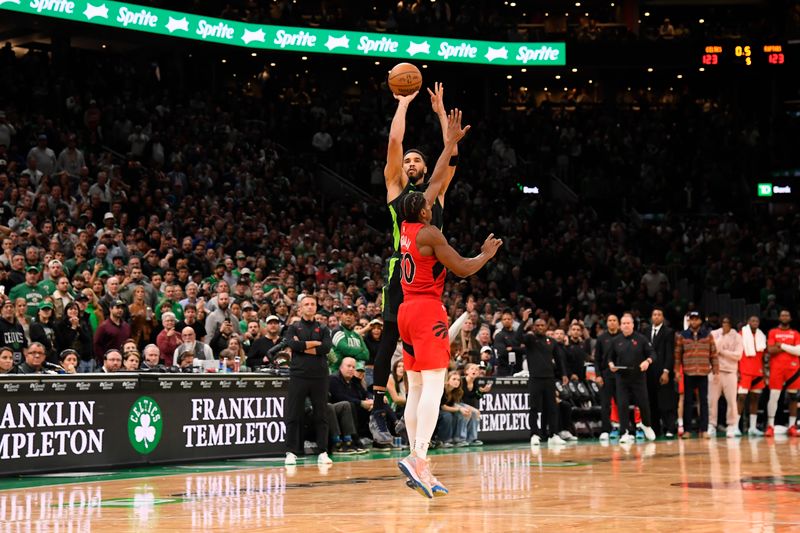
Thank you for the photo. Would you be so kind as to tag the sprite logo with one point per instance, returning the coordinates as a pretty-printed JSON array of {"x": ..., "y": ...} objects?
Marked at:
[{"x": 144, "y": 425}]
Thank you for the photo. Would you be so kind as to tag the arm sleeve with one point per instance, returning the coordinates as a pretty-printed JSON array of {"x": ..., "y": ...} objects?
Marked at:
[
  {"x": 455, "y": 329},
  {"x": 788, "y": 348}
]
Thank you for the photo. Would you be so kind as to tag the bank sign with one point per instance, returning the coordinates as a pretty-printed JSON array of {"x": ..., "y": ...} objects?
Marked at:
[{"x": 309, "y": 40}]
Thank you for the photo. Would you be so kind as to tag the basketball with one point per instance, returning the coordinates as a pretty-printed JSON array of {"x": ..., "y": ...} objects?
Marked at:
[{"x": 404, "y": 79}]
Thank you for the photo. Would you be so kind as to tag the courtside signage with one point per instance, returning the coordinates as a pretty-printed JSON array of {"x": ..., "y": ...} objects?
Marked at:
[{"x": 309, "y": 40}]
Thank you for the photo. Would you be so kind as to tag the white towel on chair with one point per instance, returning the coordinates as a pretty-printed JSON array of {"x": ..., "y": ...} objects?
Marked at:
[{"x": 751, "y": 348}]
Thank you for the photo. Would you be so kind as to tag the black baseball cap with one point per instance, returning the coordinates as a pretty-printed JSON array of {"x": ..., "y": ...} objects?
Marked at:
[
  {"x": 695, "y": 314},
  {"x": 349, "y": 309}
]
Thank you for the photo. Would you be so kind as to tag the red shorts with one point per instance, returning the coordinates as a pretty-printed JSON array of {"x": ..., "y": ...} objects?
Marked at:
[
  {"x": 746, "y": 382},
  {"x": 752, "y": 366},
  {"x": 781, "y": 369},
  {"x": 423, "y": 330}
]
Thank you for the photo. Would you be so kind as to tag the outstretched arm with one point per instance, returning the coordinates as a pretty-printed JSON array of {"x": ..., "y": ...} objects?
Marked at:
[
  {"x": 393, "y": 171},
  {"x": 432, "y": 240},
  {"x": 454, "y": 134},
  {"x": 437, "y": 104}
]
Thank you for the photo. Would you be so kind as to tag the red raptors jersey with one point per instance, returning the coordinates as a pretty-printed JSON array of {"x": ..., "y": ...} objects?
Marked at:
[
  {"x": 779, "y": 336},
  {"x": 420, "y": 276}
]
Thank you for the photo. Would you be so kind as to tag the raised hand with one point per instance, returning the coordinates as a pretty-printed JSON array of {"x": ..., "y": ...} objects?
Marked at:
[
  {"x": 454, "y": 131},
  {"x": 437, "y": 98},
  {"x": 491, "y": 245},
  {"x": 405, "y": 99}
]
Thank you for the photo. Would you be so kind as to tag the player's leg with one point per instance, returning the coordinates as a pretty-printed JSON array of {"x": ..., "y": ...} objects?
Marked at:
[
  {"x": 792, "y": 393},
  {"x": 714, "y": 392},
  {"x": 776, "y": 381},
  {"x": 412, "y": 401}
]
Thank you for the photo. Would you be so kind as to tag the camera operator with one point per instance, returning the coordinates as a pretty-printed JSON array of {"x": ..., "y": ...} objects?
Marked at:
[
  {"x": 310, "y": 343},
  {"x": 259, "y": 353}
]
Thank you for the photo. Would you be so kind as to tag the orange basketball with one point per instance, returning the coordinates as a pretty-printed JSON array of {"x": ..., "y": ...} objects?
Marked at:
[{"x": 404, "y": 79}]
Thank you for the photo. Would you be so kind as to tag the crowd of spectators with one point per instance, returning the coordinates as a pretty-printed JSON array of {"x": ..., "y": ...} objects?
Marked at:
[{"x": 143, "y": 207}]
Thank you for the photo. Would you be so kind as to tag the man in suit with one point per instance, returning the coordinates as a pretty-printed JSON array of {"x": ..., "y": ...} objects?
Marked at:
[{"x": 661, "y": 376}]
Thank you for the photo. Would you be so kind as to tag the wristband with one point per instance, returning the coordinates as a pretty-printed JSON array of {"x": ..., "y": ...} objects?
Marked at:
[{"x": 453, "y": 160}]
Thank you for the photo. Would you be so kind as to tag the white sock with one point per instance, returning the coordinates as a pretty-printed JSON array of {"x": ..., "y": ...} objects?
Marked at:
[
  {"x": 772, "y": 406},
  {"x": 412, "y": 402},
  {"x": 753, "y": 421},
  {"x": 428, "y": 409},
  {"x": 680, "y": 422},
  {"x": 792, "y": 421}
]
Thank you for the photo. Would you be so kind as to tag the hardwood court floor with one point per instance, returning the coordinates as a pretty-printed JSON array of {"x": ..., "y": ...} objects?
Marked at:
[{"x": 717, "y": 485}]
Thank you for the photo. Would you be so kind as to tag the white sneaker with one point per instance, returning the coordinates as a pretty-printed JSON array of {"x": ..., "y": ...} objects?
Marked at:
[
  {"x": 535, "y": 441},
  {"x": 649, "y": 434},
  {"x": 567, "y": 436},
  {"x": 555, "y": 440},
  {"x": 755, "y": 432},
  {"x": 291, "y": 459},
  {"x": 603, "y": 436},
  {"x": 733, "y": 432},
  {"x": 323, "y": 459},
  {"x": 627, "y": 438},
  {"x": 712, "y": 431}
]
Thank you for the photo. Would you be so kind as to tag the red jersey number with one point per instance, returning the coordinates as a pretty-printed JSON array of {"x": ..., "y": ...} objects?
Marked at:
[{"x": 407, "y": 267}]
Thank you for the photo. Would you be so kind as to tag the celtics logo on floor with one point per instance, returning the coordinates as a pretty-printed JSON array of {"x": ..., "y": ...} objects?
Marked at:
[{"x": 144, "y": 425}]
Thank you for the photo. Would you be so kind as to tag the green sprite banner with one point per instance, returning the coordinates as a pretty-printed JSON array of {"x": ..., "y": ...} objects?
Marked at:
[{"x": 311, "y": 40}]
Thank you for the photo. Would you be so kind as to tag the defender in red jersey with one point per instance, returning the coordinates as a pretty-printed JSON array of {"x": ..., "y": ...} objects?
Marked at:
[
  {"x": 751, "y": 372},
  {"x": 783, "y": 345},
  {"x": 422, "y": 321}
]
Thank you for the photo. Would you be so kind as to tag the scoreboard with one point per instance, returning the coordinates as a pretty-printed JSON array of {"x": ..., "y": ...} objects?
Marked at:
[{"x": 743, "y": 53}]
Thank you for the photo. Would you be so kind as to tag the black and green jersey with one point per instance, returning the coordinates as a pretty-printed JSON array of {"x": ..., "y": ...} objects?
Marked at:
[{"x": 392, "y": 294}]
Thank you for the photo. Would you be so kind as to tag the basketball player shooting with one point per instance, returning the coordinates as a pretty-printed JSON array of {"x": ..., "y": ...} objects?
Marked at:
[
  {"x": 405, "y": 173},
  {"x": 425, "y": 256}
]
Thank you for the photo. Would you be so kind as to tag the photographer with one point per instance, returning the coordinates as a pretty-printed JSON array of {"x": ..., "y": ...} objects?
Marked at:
[
  {"x": 220, "y": 340},
  {"x": 259, "y": 353},
  {"x": 310, "y": 343}
]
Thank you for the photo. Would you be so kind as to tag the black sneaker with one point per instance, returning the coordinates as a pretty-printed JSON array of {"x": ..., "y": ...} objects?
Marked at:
[
  {"x": 388, "y": 446},
  {"x": 343, "y": 448},
  {"x": 353, "y": 448}
]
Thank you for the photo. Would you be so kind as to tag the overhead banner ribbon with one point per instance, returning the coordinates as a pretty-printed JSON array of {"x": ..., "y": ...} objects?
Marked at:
[{"x": 310, "y": 40}]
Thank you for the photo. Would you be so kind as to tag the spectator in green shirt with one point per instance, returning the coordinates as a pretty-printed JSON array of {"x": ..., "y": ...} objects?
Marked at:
[
  {"x": 30, "y": 291},
  {"x": 346, "y": 342}
]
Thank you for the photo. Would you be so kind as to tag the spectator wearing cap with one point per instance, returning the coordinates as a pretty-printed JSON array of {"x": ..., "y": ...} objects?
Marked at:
[
  {"x": 73, "y": 332},
  {"x": 258, "y": 355},
  {"x": 45, "y": 157},
  {"x": 249, "y": 314},
  {"x": 696, "y": 353},
  {"x": 30, "y": 291},
  {"x": 43, "y": 330},
  {"x": 55, "y": 269},
  {"x": 346, "y": 342},
  {"x": 486, "y": 363},
  {"x": 12, "y": 333},
  {"x": 241, "y": 268},
  {"x": 372, "y": 338},
  {"x": 170, "y": 303},
  {"x": 113, "y": 332}
]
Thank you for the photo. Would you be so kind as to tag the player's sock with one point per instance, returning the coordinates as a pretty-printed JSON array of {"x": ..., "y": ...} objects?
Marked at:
[
  {"x": 378, "y": 403},
  {"x": 753, "y": 420},
  {"x": 680, "y": 422},
  {"x": 421, "y": 449},
  {"x": 348, "y": 438}
]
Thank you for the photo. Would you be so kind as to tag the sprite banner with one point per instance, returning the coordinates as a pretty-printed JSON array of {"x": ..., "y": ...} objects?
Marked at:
[{"x": 311, "y": 40}]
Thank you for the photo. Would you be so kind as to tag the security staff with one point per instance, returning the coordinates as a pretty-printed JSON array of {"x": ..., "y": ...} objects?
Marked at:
[
  {"x": 605, "y": 378},
  {"x": 543, "y": 354},
  {"x": 630, "y": 356},
  {"x": 310, "y": 343}
]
